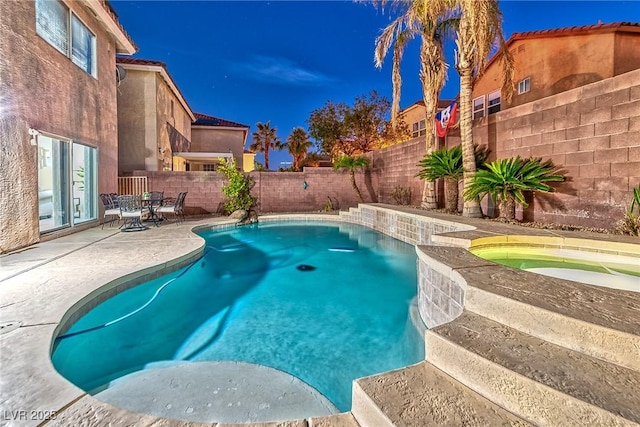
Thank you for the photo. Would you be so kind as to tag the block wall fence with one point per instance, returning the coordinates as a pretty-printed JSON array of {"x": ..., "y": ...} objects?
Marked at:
[
  {"x": 276, "y": 191},
  {"x": 592, "y": 133}
]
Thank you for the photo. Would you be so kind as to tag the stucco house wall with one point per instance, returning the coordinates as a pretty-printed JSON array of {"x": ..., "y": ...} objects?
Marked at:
[
  {"x": 43, "y": 89},
  {"x": 208, "y": 139},
  {"x": 153, "y": 117},
  {"x": 563, "y": 59}
]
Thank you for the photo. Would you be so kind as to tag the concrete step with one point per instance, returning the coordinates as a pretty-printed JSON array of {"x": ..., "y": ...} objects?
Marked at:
[
  {"x": 422, "y": 395},
  {"x": 601, "y": 322},
  {"x": 344, "y": 419},
  {"x": 539, "y": 381}
]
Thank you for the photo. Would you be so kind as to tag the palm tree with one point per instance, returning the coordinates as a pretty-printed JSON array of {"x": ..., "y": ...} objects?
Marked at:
[
  {"x": 479, "y": 27},
  {"x": 505, "y": 180},
  {"x": 265, "y": 139},
  {"x": 298, "y": 143},
  {"x": 424, "y": 18},
  {"x": 352, "y": 164}
]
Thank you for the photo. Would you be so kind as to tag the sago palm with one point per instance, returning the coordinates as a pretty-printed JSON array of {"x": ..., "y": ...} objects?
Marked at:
[
  {"x": 297, "y": 144},
  {"x": 506, "y": 180},
  {"x": 446, "y": 164},
  {"x": 352, "y": 164},
  {"x": 479, "y": 28},
  {"x": 265, "y": 139}
]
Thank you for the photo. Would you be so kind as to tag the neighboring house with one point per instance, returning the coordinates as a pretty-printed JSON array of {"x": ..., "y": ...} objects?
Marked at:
[
  {"x": 552, "y": 61},
  {"x": 248, "y": 161},
  {"x": 213, "y": 138},
  {"x": 154, "y": 119},
  {"x": 58, "y": 115},
  {"x": 414, "y": 116}
]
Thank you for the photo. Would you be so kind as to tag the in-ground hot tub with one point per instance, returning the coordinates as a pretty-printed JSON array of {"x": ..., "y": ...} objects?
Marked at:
[{"x": 601, "y": 263}]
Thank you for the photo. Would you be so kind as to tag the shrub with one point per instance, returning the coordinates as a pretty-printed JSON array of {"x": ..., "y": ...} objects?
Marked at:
[
  {"x": 630, "y": 224},
  {"x": 401, "y": 195},
  {"x": 505, "y": 180},
  {"x": 237, "y": 189},
  {"x": 446, "y": 164}
]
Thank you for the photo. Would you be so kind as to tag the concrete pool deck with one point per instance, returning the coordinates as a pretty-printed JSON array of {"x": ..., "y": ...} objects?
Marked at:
[{"x": 39, "y": 285}]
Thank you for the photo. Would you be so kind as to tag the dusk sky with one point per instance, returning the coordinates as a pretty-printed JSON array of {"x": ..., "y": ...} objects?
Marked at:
[{"x": 259, "y": 61}]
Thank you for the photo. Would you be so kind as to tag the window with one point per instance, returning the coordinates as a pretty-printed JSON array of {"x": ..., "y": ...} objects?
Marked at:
[
  {"x": 53, "y": 21},
  {"x": 209, "y": 168},
  {"x": 478, "y": 107},
  {"x": 83, "y": 46},
  {"x": 418, "y": 129},
  {"x": 524, "y": 86},
  {"x": 493, "y": 102},
  {"x": 67, "y": 183}
]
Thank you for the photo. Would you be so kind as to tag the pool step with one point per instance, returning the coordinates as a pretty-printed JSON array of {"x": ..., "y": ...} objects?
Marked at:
[
  {"x": 598, "y": 321},
  {"x": 601, "y": 322},
  {"x": 539, "y": 381},
  {"x": 422, "y": 395}
]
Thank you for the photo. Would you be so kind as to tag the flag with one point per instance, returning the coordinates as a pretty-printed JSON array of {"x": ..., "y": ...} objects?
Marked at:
[{"x": 445, "y": 119}]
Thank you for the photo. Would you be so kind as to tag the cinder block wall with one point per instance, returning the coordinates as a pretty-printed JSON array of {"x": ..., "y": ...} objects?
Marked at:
[
  {"x": 592, "y": 132},
  {"x": 276, "y": 191},
  {"x": 397, "y": 166}
]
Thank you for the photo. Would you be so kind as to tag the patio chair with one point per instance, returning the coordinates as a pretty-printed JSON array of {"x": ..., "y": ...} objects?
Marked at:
[
  {"x": 132, "y": 212},
  {"x": 111, "y": 209},
  {"x": 175, "y": 207}
]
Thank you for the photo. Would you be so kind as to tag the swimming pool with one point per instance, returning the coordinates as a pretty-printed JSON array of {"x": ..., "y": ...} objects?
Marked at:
[{"x": 326, "y": 303}]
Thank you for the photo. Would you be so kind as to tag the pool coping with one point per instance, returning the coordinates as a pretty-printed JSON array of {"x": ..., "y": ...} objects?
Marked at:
[{"x": 95, "y": 262}]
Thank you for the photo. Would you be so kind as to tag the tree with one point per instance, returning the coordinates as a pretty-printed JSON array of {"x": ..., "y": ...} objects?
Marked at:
[
  {"x": 505, "y": 180},
  {"x": 297, "y": 144},
  {"x": 479, "y": 27},
  {"x": 340, "y": 129},
  {"x": 352, "y": 164},
  {"x": 265, "y": 139},
  {"x": 427, "y": 19}
]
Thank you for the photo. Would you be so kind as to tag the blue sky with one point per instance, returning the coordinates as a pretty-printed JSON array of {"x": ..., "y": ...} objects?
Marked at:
[{"x": 259, "y": 61}]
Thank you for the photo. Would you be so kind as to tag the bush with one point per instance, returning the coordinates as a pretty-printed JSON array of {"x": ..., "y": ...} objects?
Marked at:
[
  {"x": 630, "y": 224},
  {"x": 401, "y": 195},
  {"x": 237, "y": 189}
]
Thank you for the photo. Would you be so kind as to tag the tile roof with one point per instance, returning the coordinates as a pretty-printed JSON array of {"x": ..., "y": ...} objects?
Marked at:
[
  {"x": 106, "y": 4},
  {"x": 205, "y": 120},
  {"x": 138, "y": 61},
  {"x": 578, "y": 30}
]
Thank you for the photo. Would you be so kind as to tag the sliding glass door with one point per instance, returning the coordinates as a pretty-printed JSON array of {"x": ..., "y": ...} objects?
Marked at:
[
  {"x": 84, "y": 183},
  {"x": 67, "y": 183}
]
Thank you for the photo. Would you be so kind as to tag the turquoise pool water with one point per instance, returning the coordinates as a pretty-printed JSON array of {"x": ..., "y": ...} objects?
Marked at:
[{"x": 327, "y": 303}]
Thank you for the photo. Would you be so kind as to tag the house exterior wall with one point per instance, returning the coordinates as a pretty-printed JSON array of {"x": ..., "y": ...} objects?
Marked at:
[
  {"x": 137, "y": 122},
  {"x": 43, "y": 89},
  {"x": 554, "y": 65},
  {"x": 144, "y": 110},
  {"x": 627, "y": 55},
  {"x": 212, "y": 139},
  {"x": 169, "y": 111}
]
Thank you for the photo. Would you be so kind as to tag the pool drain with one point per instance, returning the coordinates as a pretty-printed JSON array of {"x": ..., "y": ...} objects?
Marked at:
[
  {"x": 305, "y": 267},
  {"x": 8, "y": 326}
]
